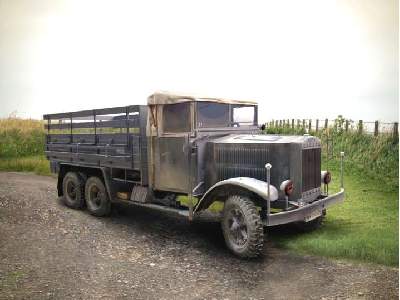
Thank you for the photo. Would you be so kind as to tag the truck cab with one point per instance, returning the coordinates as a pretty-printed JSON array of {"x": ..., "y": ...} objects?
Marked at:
[
  {"x": 205, "y": 149},
  {"x": 181, "y": 124}
]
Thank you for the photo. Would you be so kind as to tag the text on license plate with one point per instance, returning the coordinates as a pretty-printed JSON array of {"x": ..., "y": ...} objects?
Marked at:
[{"x": 313, "y": 215}]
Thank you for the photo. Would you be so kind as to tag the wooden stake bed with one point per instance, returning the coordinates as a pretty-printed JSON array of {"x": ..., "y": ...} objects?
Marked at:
[{"x": 110, "y": 137}]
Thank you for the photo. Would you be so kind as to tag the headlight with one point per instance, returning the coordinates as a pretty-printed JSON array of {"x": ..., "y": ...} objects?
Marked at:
[
  {"x": 326, "y": 177},
  {"x": 287, "y": 187}
]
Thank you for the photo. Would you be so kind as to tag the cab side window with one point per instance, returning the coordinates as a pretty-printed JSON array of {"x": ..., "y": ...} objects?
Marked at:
[{"x": 176, "y": 117}]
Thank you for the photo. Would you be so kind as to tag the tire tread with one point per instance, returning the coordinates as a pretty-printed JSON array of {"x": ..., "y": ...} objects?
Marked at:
[
  {"x": 255, "y": 225},
  {"x": 81, "y": 185}
]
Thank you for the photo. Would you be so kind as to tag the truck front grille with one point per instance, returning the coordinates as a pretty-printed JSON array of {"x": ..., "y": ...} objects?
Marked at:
[
  {"x": 311, "y": 168},
  {"x": 235, "y": 160}
]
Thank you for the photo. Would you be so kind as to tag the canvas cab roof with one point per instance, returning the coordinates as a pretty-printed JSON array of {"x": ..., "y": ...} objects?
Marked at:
[{"x": 171, "y": 98}]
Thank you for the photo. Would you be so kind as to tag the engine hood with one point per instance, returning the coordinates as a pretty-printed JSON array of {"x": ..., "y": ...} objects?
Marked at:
[
  {"x": 306, "y": 141},
  {"x": 297, "y": 158}
]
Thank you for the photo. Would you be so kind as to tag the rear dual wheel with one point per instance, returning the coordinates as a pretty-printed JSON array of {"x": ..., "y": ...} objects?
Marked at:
[
  {"x": 76, "y": 192},
  {"x": 73, "y": 190},
  {"x": 97, "y": 200}
]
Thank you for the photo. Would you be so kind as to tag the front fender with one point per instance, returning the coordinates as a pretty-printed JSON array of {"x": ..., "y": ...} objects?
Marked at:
[{"x": 251, "y": 184}]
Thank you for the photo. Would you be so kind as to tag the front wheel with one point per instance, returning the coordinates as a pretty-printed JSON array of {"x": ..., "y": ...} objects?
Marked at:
[
  {"x": 242, "y": 227},
  {"x": 97, "y": 200}
]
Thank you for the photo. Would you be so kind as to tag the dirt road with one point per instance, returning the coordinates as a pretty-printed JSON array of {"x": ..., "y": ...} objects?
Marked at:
[{"x": 48, "y": 251}]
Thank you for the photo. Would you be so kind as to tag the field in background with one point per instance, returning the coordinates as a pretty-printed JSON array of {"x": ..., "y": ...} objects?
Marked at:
[
  {"x": 21, "y": 146},
  {"x": 364, "y": 228}
]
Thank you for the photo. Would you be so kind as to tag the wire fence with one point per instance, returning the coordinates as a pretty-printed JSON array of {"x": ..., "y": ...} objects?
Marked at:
[{"x": 360, "y": 126}]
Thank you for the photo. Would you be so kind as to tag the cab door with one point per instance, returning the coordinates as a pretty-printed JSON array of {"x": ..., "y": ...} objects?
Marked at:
[{"x": 172, "y": 167}]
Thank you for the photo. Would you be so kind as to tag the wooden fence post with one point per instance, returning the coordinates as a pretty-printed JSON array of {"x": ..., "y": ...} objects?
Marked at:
[
  {"x": 292, "y": 123},
  {"x": 326, "y": 123},
  {"x": 360, "y": 126},
  {"x": 347, "y": 125},
  {"x": 309, "y": 125},
  {"x": 316, "y": 125},
  {"x": 376, "y": 131},
  {"x": 396, "y": 129}
]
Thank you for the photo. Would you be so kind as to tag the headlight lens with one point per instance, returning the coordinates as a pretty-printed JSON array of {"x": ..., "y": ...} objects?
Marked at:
[
  {"x": 326, "y": 177},
  {"x": 287, "y": 187}
]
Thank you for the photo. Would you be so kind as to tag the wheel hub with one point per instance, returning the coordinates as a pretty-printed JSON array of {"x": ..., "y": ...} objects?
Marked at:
[
  {"x": 72, "y": 190},
  {"x": 95, "y": 196},
  {"x": 237, "y": 227}
]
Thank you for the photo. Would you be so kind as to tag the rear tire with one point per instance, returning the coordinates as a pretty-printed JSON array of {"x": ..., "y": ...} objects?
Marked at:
[
  {"x": 97, "y": 200},
  {"x": 73, "y": 190},
  {"x": 242, "y": 227}
]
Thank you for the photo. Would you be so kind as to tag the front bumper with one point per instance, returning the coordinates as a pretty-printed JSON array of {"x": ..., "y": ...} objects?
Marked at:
[{"x": 305, "y": 212}]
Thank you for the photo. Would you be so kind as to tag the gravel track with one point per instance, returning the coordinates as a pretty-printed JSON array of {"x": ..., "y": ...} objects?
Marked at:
[{"x": 48, "y": 251}]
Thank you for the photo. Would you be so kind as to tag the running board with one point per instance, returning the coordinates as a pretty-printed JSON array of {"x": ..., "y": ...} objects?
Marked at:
[{"x": 181, "y": 212}]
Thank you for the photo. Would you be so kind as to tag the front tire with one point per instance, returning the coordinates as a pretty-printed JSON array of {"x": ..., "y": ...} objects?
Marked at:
[
  {"x": 73, "y": 190},
  {"x": 97, "y": 200},
  {"x": 242, "y": 227}
]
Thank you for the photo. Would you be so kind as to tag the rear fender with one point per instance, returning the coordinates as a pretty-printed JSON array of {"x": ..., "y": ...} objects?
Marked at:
[{"x": 251, "y": 185}]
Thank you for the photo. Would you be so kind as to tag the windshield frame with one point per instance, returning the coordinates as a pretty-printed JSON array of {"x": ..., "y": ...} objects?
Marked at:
[{"x": 231, "y": 125}]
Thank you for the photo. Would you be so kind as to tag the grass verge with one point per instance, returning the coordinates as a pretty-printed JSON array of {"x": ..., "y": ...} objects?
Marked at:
[
  {"x": 363, "y": 228},
  {"x": 37, "y": 164}
]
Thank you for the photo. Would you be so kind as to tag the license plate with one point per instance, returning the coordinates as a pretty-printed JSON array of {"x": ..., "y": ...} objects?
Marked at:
[{"x": 313, "y": 215}]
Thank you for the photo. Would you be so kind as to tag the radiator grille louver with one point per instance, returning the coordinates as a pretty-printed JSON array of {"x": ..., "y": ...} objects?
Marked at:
[
  {"x": 240, "y": 161},
  {"x": 311, "y": 168}
]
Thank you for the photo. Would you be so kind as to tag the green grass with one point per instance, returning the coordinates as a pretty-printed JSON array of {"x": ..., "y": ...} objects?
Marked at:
[
  {"x": 37, "y": 164},
  {"x": 21, "y": 138},
  {"x": 363, "y": 228},
  {"x": 22, "y": 146}
]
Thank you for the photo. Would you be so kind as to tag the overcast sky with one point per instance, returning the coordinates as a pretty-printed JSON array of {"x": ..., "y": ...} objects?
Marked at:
[{"x": 299, "y": 59}]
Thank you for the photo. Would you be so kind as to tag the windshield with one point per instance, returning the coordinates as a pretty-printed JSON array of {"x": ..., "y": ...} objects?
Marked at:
[
  {"x": 211, "y": 114},
  {"x": 243, "y": 115}
]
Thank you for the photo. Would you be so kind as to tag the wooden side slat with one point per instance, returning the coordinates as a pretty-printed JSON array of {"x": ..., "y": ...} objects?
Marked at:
[
  {"x": 90, "y": 112},
  {"x": 57, "y": 116},
  {"x": 58, "y": 126},
  {"x": 122, "y": 123},
  {"x": 111, "y": 110},
  {"x": 123, "y": 161},
  {"x": 82, "y": 113}
]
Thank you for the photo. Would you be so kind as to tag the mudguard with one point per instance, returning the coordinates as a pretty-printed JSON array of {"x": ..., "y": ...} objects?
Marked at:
[{"x": 251, "y": 184}]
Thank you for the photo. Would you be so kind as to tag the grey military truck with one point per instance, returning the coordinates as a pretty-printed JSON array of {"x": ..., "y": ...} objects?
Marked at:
[{"x": 204, "y": 149}]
